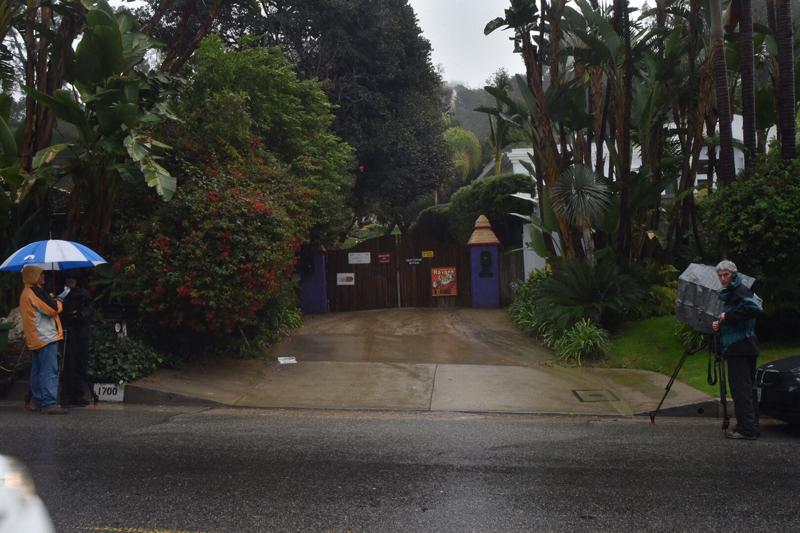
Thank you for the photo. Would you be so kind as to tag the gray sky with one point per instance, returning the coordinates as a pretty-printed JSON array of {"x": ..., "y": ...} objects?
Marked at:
[{"x": 455, "y": 30}]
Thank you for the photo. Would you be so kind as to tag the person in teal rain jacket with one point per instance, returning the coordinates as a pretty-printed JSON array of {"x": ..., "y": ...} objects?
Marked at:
[{"x": 739, "y": 347}]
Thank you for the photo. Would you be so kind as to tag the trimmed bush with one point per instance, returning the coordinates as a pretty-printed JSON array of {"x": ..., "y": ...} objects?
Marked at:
[
  {"x": 491, "y": 197},
  {"x": 215, "y": 264},
  {"x": 434, "y": 223},
  {"x": 755, "y": 222},
  {"x": 120, "y": 360}
]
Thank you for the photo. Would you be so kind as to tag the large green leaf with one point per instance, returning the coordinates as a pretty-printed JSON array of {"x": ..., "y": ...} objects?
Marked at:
[
  {"x": 154, "y": 174},
  {"x": 46, "y": 155},
  {"x": 7, "y": 144},
  {"x": 99, "y": 53},
  {"x": 157, "y": 176},
  {"x": 63, "y": 105}
]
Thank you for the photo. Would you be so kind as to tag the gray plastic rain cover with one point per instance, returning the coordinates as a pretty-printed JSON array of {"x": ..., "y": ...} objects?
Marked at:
[{"x": 698, "y": 301}]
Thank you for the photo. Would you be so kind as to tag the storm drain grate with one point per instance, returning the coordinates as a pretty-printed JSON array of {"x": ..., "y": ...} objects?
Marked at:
[{"x": 595, "y": 395}]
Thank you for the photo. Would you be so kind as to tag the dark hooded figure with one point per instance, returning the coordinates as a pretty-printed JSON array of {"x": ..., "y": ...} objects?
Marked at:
[
  {"x": 76, "y": 318},
  {"x": 737, "y": 329}
]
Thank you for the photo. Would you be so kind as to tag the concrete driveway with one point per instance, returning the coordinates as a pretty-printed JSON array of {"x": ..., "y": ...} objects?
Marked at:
[
  {"x": 466, "y": 360},
  {"x": 434, "y": 336}
]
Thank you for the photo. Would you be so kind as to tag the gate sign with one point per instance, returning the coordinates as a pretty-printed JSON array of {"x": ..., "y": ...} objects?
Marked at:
[
  {"x": 427, "y": 254},
  {"x": 359, "y": 258},
  {"x": 345, "y": 278},
  {"x": 444, "y": 281},
  {"x": 384, "y": 258}
]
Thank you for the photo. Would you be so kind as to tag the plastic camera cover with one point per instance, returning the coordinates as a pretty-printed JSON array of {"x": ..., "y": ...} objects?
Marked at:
[{"x": 698, "y": 301}]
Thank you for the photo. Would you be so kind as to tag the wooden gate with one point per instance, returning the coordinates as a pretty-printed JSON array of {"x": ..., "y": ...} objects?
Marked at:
[{"x": 398, "y": 272}]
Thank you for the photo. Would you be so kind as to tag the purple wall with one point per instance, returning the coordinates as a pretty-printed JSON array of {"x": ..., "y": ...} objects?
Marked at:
[
  {"x": 313, "y": 286},
  {"x": 485, "y": 281}
]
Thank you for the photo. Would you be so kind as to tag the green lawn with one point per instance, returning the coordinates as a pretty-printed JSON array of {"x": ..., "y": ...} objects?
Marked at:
[{"x": 650, "y": 344}]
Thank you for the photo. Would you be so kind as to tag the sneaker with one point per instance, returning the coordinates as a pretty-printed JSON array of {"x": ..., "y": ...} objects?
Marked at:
[
  {"x": 739, "y": 436},
  {"x": 55, "y": 410}
]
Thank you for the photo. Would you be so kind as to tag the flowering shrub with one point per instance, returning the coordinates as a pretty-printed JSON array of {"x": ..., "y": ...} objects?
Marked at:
[{"x": 210, "y": 262}]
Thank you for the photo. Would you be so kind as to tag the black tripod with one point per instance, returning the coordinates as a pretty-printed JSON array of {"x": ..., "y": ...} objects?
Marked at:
[{"x": 719, "y": 369}]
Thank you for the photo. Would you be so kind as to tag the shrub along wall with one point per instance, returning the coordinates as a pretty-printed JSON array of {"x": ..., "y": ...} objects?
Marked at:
[
  {"x": 490, "y": 196},
  {"x": 755, "y": 222}
]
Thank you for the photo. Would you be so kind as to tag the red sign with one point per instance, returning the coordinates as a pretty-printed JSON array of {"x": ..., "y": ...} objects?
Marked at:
[
  {"x": 444, "y": 281},
  {"x": 384, "y": 258}
]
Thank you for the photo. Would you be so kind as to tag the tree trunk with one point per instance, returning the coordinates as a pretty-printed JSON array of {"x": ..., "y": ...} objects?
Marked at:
[
  {"x": 624, "y": 125},
  {"x": 786, "y": 111},
  {"x": 159, "y": 13},
  {"x": 26, "y": 151},
  {"x": 726, "y": 166},
  {"x": 747, "y": 62},
  {"x": 549, "y": 156}
]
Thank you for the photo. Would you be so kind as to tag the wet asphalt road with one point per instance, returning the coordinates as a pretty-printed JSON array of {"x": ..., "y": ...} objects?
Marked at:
[{"x": 144, "y": 469}]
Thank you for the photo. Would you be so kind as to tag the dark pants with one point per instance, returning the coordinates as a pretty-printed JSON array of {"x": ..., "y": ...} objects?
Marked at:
[
  {"x": 741, "y": 377},
  {"x": 76, "y": 363}
]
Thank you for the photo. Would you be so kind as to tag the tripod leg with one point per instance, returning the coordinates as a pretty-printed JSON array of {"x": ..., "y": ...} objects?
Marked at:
[
  {"x": 668, "y": 387},
  {"x": 723, "y": 394}
]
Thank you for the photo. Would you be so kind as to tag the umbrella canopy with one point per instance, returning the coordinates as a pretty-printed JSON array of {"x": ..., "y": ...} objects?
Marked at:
[{"x": 53, "y": 255}]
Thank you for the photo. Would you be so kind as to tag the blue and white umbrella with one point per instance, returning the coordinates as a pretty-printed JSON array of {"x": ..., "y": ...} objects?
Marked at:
[{"x": 53, "y": 255}]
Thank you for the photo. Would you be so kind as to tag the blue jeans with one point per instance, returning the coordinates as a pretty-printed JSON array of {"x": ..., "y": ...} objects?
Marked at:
[{"x": 44, "y": 376}]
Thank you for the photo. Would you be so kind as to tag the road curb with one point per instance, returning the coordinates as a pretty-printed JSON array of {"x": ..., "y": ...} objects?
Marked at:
[
  {"x": 707, "y": 408},
  {"x": 133, "y": 394},
  {"x": 145, "y": 396}
]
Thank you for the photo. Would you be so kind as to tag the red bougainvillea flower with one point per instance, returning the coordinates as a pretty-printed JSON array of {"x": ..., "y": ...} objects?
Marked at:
[
  {"x": 183, "y": 291},
  {"x": 214, "y": 197}
]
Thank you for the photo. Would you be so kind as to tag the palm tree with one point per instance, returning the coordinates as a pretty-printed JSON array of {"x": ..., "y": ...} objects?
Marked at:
[
  {"x": 623, "y": 29},
  {"x": 747, "y": 71},
  {"x": 523, "y": 18},
  {"x": 583, "y": 201},
  {"x": 726, "y": 168},
  {"x": 499, "y": 129},
  {"x": 786, "y": 111}
]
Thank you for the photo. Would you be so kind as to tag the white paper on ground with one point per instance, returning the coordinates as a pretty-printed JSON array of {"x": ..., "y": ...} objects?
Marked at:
[{"x": 287, "y": 360}]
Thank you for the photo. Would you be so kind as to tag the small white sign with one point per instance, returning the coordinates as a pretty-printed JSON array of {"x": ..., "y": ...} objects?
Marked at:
[
  {"x": 288, "y": 360},
  {"x": 109, "y": 392},
  {"x": 359, "y": 258},
  {"x": 345, "y": 278}
]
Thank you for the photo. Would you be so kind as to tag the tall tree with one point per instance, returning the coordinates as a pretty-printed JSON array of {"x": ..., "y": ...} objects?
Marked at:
[
  {"x": 786, "y": 81},
  {"x": 523, "y": 18},
  {"x": 375, "y": 66},
  {"x": 740, "y": 13},
  {"x": 183, "y": 24},
  {"x": 726, "y": 166}
]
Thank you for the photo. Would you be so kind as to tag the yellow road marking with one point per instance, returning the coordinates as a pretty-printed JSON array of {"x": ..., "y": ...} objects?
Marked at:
[{"x": 136, "y": 530}]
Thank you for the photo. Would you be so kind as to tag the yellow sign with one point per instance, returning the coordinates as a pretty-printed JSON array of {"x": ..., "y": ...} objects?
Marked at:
[{"x": 427, "y": 254}]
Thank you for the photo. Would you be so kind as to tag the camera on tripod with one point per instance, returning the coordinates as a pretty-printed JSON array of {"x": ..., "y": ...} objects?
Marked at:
[{"x": 699, "y": 306}]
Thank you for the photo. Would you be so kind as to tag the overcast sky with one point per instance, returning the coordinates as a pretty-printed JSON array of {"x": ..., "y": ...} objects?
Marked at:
[{"x": 455, "y": 30}]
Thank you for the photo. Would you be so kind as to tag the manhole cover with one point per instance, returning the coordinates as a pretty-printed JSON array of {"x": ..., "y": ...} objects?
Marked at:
[{"x": 595, "y": 395}]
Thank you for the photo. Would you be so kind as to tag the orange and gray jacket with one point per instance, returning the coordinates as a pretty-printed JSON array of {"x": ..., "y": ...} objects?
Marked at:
[{"x": 39, "y": 311}]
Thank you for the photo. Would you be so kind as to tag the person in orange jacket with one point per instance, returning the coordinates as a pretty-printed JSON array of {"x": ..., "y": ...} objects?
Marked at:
[{"x": 42, "y": 328}]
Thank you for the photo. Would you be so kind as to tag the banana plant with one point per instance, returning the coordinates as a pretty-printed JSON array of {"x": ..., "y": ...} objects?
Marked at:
[{"x": 113, "y": 106}]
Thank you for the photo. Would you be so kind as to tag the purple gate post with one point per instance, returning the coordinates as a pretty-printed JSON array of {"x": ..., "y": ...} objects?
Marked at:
[
  {"x": 484, "y": 259},
  {"x": 313, "y": 284}
]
